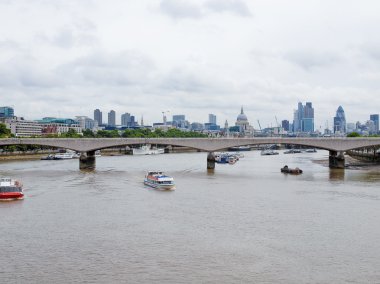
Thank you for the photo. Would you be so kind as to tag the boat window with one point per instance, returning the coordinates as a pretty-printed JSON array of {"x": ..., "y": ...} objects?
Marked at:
[{"x": 9, "y": 189}]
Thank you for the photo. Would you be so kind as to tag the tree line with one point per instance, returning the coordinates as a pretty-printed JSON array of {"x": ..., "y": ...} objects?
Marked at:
[{"x": 87, "y": 133}]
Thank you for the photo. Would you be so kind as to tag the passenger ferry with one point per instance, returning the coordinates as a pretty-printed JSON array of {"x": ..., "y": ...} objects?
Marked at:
[
  {"x": 64, "y": 156},
  {"x": 159, "y": 180},
  {"x": 147, "y": 150},
  {"x": 10, "y": 189}
]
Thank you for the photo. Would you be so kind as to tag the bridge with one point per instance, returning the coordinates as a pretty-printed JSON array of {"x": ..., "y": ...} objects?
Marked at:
[{"x": 88, "y": 146}]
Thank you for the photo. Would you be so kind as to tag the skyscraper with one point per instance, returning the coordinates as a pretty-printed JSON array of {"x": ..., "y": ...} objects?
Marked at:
[
  {"x": 285, "y": 125},
  {"x": 98, "y": 116},
  {"x": 112, "y": 118},
  {"x": 308, "y": 118},
  {"x": 375, "y": 119},
  {"x": 212, "y": 118},
  {"x": 303, "y": 120},
  {"x": 126, "y": 119},
  {"x": 340, "y": 121}
]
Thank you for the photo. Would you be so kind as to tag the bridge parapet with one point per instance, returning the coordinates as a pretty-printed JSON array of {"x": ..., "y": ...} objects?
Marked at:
[{"x": 204, "y": 144}]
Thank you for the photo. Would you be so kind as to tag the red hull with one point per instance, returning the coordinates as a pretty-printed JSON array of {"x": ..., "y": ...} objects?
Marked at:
[{"x": 11, "y": 195}]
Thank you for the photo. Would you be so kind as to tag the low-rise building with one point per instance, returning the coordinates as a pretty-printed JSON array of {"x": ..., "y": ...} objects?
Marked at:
[
  {"x": 52, "y": 125},
  {"x": 23, "y": 128}
]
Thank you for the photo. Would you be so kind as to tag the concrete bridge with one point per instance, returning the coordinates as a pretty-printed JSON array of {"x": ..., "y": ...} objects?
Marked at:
[{"x": 88, "y": 146}]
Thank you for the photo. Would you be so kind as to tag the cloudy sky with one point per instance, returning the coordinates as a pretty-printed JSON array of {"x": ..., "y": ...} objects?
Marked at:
[{"x": 194, "y": 57}]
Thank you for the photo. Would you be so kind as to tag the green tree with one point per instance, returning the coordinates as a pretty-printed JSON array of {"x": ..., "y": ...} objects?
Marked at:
[
  {"x": 71, "y": 134},
  {"x": 107, "y": 134},
  {"x": 4, "y": 131},
  {"x": 353, "y": 134},
  {"x": 88, "y": 133}
]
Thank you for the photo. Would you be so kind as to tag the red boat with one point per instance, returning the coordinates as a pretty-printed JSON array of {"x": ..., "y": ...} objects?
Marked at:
[{"x": 10, "y": 189}]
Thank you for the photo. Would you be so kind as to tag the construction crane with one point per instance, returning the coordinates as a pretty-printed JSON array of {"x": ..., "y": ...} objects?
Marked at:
[
  {"x": 258, "y": 121},
  {"x": 164, "y": 116},
  {"x": 278, "y": 125}
]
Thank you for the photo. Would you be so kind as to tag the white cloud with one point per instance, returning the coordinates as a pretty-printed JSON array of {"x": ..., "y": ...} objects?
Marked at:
[{"x": 192, "y": 57}]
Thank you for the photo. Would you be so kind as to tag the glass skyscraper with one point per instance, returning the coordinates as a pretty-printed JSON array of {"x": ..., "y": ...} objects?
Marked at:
[
  {"x": 375, "y": 119},
  {"x": 340, "y": 121},
  {"x": 303, "y": 120}
]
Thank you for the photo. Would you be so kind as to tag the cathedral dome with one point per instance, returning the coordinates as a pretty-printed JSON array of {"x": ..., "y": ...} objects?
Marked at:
[{"x": 242, "y": 116}]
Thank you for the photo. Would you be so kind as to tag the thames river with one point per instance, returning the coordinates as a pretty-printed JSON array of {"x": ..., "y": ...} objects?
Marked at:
[{"x": 244, "y": 223}]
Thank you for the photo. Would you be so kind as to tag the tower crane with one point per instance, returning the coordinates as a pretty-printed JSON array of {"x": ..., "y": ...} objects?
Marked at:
[
  {"x": 278, "y": 125},
  {"x": 258, "y": 121},
  {"x": 164, "y": 116}
]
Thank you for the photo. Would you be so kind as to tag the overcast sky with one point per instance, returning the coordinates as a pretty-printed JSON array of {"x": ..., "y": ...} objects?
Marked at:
[{"x": 67, "y": 57}]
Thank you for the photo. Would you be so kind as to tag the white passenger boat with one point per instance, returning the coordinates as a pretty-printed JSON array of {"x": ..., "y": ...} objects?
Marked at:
[
  {"x": 159, "y": 180},
  {"x": 147, "y": 150},
  {"x": 64, "y": 156}
]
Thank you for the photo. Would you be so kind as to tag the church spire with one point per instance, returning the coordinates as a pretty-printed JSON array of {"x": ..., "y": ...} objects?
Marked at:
[{"x": 242, "y": 112}]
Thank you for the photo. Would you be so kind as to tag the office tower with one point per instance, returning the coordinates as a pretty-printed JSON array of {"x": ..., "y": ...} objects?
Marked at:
[
  {"x": 98, "y": 116},
  {"x": 285, "y": 125},
  {"x": 178, "y": 117},
  {"x": 133, "y": 121},
  {"x": 112, "y": 118},
  {"x": 303, "y": 120},
  {"x": 126, "y": 119},
  {"x": 179, "y": 121},
  {"x": 212, "y": 118},
  {"x": 7, "y": 111},
  {"x": 86, "y": 122},
  {"x": 308, "y": 118},
  {"x": 375, "y": 119},
  {"x": 340, "y": 121}
]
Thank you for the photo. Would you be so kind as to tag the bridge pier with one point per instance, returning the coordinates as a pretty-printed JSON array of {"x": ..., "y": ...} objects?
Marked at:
[
  {"x": 210, "y": 161},
  {"x": 336, "y": 160},
  {"x": 87, "y": 160}
]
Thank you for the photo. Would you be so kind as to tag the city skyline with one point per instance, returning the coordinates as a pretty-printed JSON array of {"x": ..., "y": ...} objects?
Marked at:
[{"x": 190, "y": 57}]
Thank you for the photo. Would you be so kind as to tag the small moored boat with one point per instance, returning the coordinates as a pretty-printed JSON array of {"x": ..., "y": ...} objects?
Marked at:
[
  {"x": 287, "y": 170},
  {"x": 292, "y": 151},
  {"x": 159, "y": 180},
  {"x": 268, "y": 152},
  {"x": 10, "y": 189}
]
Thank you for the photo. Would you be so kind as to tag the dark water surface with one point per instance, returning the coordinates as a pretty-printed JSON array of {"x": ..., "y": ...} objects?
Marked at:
[{"x": 245, "y": 223}]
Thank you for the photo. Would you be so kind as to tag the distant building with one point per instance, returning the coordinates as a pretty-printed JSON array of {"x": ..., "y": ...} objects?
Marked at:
[
  {"x": 52, "y": 125},
  {"x": 242, "y": 122},
  {"x": 285, "y": 125},
  {"x": 180, "y": 121},
  {"x": 87, "y": 123},
  {"x": 211, "y": 127},
  {"x": 226, "y": 129},
  {"x": 7, "y": 112},
  {"x": 133, "y": 121},
  {"x": 126, "y": 119},
  {"x": 196, "y": 126},
  {"x": 303, "y": 120},
  {"x": 23, "y": 128},
  {"x": 212, "y": 118},
  {"x": 350, "y": 127},
  {"x": 340, "y": 121},
  {"x": 98, "y": 116},
  {"x": 112, "y": 118},
  {"x": 308, "y": 118},
  {"x": 375, "y": 119}
]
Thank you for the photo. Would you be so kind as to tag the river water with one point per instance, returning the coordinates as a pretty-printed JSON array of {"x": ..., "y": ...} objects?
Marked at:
[{"x": 244, "y": 223}]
